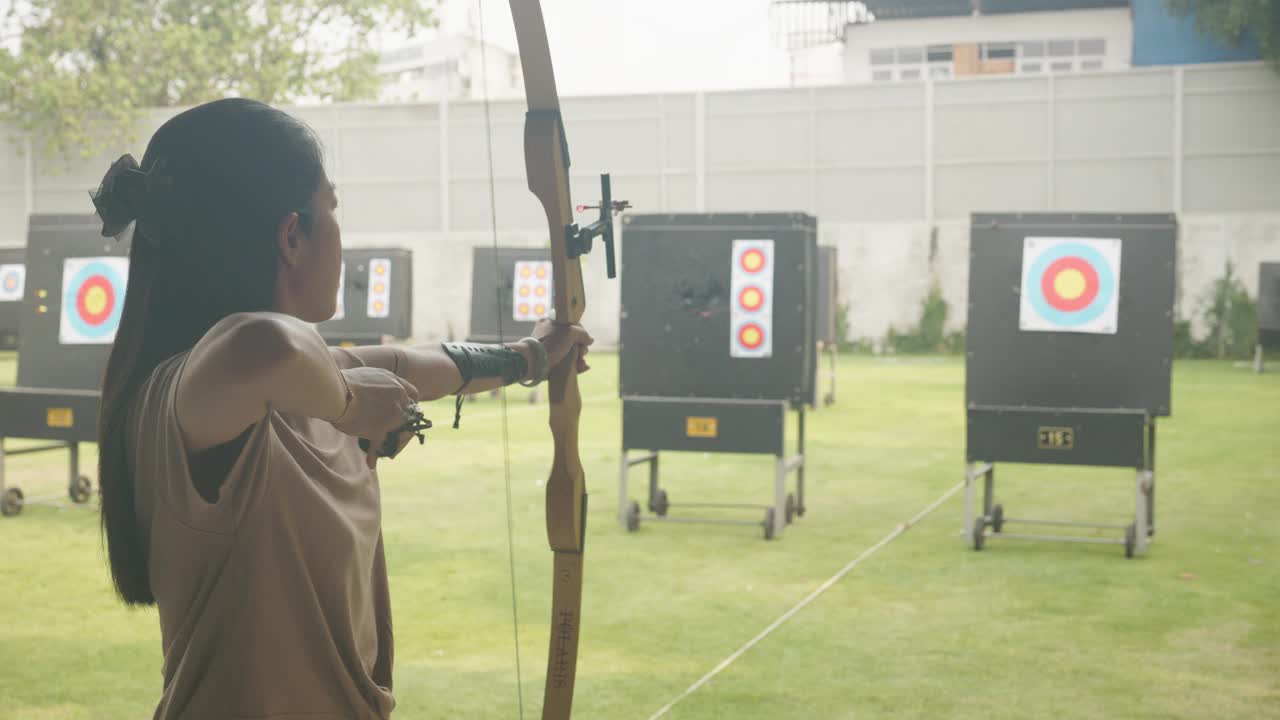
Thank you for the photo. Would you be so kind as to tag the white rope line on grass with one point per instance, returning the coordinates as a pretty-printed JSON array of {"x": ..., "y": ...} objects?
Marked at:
[{"x": 902, "y": 527}]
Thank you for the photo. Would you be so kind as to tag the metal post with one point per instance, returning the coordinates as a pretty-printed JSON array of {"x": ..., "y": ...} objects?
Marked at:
[
  {"x": 988, "y": 490},
  {"x": 779, "y": 493},
  {"x": 1257, "y": 358},
  {"x": 800, "y": 470},
  {"x": 968, "y": 500},
  {"x": 622, "y": 489},
  {"x": 74, "y": 449},
  {"x": 1051, "y": 181}
]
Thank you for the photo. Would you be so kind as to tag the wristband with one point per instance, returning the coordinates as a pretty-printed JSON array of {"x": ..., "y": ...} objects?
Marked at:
[{"x": 538, "y": 369}]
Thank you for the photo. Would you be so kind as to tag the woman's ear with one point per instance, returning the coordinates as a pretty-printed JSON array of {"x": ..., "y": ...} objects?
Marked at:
[{"x": 289, "y": 240}]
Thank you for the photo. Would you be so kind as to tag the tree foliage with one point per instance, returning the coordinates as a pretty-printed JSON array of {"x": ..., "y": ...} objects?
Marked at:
[
  {"x": 1233, "y": 21},
  {"x": 82, "y": 70}
]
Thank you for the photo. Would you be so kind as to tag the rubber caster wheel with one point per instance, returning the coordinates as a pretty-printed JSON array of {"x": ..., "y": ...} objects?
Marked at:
[
  {"x": 768, "y": 524},
  {"x": 997, "y": 519},
  {"x": 11, "y": 504},
  {"x": 1130, "y": 541},
  {"x": 979, "y": 534},
  {"x": 633, "y": 516},
  {"x": 659, "y": 504},
  {"x": 791, "y": 508},
  {"x": 80, "y": 490}
]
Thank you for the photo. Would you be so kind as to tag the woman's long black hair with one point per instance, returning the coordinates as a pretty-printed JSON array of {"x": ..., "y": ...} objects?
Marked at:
[{"x": 208, "y": 196}]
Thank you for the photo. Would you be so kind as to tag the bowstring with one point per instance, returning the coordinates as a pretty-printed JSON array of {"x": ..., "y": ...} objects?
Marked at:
[{"x": 502, "y": 393}]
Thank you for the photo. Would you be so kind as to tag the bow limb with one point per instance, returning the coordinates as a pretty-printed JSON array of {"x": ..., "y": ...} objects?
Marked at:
[{"x": 547, "y": 166}]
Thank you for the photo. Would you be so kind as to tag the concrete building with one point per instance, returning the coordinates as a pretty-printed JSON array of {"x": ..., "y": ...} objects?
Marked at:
[
  {"x": 910, "y": 41},
  {"x": 451, "y": 67}
]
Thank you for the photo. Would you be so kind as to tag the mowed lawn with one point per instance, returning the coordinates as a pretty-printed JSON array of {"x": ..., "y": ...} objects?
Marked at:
[{"x": 924, "y": 628}]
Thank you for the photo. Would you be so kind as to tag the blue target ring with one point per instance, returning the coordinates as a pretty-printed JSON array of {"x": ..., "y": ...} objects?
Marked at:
[
  {"x": 1035, "y": 293},
  {"x": 70, "y": 304}
]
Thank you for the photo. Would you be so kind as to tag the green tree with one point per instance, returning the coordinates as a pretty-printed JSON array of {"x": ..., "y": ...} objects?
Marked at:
[
  {"x": 1235, "y": 20},
  {"x": 82, "y": 70}
]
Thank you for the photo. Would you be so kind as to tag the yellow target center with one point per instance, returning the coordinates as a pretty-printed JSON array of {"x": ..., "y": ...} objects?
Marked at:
[
  {"x": 95, "y": 300},
  {"x": 752, "y": 299},
  {"x": 1069, "y": 284},
  {"x": 750, "y": 336},
  {"x": 752, "y": 261}
]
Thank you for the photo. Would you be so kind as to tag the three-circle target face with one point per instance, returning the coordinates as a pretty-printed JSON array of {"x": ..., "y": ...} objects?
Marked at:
[
  {"x": 1070, "y": 285},
  {"x": 13, "y": 277},
  {"x": 92, "y": 299},
  {"x": 751, "y": 287},
  {"x": 379, "y": 305},
  {"x": 531, "y": 290}
]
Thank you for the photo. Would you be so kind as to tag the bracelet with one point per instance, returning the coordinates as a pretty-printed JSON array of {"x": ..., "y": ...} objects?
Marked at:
[
  {"x": 350, "y": 396},
  {"x": 538, "y": 368}
]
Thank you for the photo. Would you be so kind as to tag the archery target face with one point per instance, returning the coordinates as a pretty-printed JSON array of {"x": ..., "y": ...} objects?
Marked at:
[
  {"x": 13, "y": 278},
  {"x": 1070, "y": 285},
  {"x": 379, "y": 288},
  {"x": 531, "y": 290},
  {"x": 92, "y": 299},
  {"x": 751, "y": 292},
  {"x": 341, "y": 312}
]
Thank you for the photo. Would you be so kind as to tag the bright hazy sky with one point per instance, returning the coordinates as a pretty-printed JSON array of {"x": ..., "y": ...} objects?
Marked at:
[{"x": 634, "y": 46}]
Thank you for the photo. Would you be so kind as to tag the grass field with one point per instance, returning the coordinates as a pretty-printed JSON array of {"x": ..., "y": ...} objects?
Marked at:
[{"x": 925, "y": 628}]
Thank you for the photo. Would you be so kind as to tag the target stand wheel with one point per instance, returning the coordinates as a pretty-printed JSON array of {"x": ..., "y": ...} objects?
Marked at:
[
  {"x": 633, "y": 516},
  {"x": 80, "y": 490},
  {"x": 11, "y": 504},
  {"x": 997, "y": 519},
  {"x": 1130, "y": 540},
  {"x": 659, "y": 504},
  {"x": 791, "y": 508},
  {"x": 768, "y": 524},
  {"x": 979, "y": 533}
]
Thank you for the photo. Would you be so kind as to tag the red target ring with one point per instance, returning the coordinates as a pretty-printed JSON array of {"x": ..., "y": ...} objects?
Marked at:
[
  {"x": 751, "y": 336},
  {"x": 752, "y": 261},
  {"x": 95, "y": 300},
  {"x": 751, "y": 298},
  {"x": 1069, "y": 284}
]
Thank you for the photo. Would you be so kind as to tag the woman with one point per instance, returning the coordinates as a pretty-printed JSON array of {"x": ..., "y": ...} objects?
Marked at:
[{"x": 235, "y": 494}]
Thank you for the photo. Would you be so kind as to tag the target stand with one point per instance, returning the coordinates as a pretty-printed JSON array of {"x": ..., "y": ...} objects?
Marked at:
[
  {"x": 13, "y": 275},
  {"x": 718, "y": 347},
  {"x": 511, "y": 290},
  {"x": 1268, "y": 312},
  {"x": 1069, "y": 359},
  {"x": 72, "y": 300},
  {"x": 375, "y": 298}
]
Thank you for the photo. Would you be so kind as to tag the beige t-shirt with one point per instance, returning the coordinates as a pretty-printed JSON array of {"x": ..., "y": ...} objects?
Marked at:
[{"x": 273, "y": 600}]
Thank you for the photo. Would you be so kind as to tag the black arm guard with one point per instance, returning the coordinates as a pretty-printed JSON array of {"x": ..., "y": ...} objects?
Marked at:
[{"x": 483, "y": 361}]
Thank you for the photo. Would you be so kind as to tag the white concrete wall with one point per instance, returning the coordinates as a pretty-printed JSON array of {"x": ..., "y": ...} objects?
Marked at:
[
  {"x": 1115, "y": 25},
  {"x": 891, "y": 171}
]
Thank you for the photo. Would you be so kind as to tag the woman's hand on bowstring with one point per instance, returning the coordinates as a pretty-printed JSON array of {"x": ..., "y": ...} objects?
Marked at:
[
  {"x": 381, "y": 403},
  {"x": 559, "y": 340}
]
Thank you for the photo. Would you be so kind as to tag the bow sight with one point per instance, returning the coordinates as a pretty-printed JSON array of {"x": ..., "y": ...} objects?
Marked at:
[{"x": 578, "y": 240}]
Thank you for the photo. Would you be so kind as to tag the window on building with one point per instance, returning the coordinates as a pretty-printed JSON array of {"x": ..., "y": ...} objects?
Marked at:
[
  {"x": 1031, "y": 68},
  {"x": 909, "y": 73},
  {"x": 1031, "y": 49},
  {"x": 939, "y": 54},
  {"x": 882, "y": 57},
  {"x": 940, "y": 72},
  {"x": 1061, "y": 66},
  {"x": 1062, "y": 48},
  {"x": 1090, "y": 64},
  {"x": 1092, "y": 46},
  {"x": 999, "y": 51},
  {"x": 882, "y": 75},
  {"x": 910, "y": 55}
]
